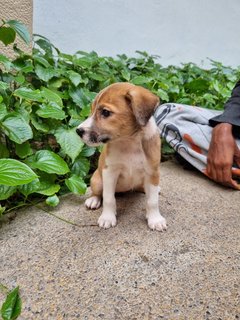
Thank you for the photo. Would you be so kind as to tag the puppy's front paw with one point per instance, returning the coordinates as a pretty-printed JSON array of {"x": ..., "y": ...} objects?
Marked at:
[
  {"x": 107, "y": 220},
  {"x": 93, "y": 202},
  {"x": 157, "y": 223}
]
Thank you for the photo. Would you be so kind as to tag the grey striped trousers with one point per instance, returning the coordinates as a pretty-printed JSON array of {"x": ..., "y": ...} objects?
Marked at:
[{"x": 186, "y": 129}]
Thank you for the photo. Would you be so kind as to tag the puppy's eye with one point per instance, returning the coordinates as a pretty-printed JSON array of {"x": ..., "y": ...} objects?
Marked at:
[{"x": 105, "y": 113}]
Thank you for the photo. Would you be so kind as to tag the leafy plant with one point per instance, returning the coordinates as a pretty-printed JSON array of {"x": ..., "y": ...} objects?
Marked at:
[
  {"x": 46, "y": 95},
  {"x": 9, "y": 29},
  {"x": 12, "y": 305}
]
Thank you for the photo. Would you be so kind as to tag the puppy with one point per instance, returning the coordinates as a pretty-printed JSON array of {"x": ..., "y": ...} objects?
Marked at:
[{"x": 121, "y": 119}]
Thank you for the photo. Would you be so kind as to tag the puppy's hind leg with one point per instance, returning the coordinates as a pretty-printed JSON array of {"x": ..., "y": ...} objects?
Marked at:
[{"x": 94, "y": 202}]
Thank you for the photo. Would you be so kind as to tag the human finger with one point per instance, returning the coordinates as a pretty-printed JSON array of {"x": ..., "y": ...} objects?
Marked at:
[
  {"x": 227, "y": 175},
  {"x": 235, "y": 172},
  {"x": 233, "y": 184},
  {"x": 210, "y": 170},
  {"x": 237, "y": 155}
]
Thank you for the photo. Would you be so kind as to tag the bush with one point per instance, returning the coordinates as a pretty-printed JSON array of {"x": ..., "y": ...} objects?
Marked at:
[{"x": 46, "y": 95}]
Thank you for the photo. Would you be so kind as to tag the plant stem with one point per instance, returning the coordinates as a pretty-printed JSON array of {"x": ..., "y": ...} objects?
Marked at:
[
  {"x": 3, "y": 288},
  {"x": 18, "y": 206},
  {"x": 63, "y": 219},
  {"x": 3, "y": 23}
]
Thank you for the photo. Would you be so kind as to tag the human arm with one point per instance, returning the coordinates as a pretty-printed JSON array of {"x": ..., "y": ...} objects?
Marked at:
[
  {"x": 223, "y": 150},
  {"x": 231, "y": 113}
]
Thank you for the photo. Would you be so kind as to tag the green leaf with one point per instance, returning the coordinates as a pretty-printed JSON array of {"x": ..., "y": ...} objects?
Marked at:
[
  {"x": 20, "y": 79},
  {"x": 95, "y": 76},
  {"x": 79, "y": 96},
  {"x": 126, "y": 75},
  {"x": 75, "y": 77},
  {"x": 5, "y": 61},
  {"x": 209, "y": 97},
  {"x": 184, "y": 100},
  {"x": 43, "y": 73},
  {"x": 165, "y": 86},
  {"x": 52, "y": 201},
  {"x": 23, "y": 150},
  {"x": 69, "y": 141},
  {"x": 88, "y": 151},
  {"x": 29, "y": 188},
  {"x": 81, "y": 167},
  {"x": 4, "y": 153},
  {"x": 12, "y": 306},
  {"x": 216, "y": 85},
  {"x": 51, "y": 96},
  {"x": 39, "y": 124},
  {"x": 24, "y": 110},
  {"x": 167, "y": 149},
  {"x": 163, "y": 95},
  {"x": 48, "y": 161},
  {"x": 76, "y": 184},
  {"x": 139, "y": 80},
  {"x": 20, "y": 29},
  {"x": 16, "y": 128},
  {"x": 85, "y": 111},
  {"x": 6, "y": 191},
  {"x": 46, "y": 184},
  {"x": 28, "y": 94},
  {"x": 224, "y": 92},
  {"x": 41, "y": 60},
  {"x": 4, "y": 85},
  {"x": 75, "y": 94},
  {"x": 74, "y": 122},
  {"x": 85, "y": 62},
  {"x": 45, "y": 44},
  {"x": 197, "y": 85},
  {"x": 172, "y": 89},
  {"x": 7, "y": 35},
  {"x": 27, "y": 68},
  {"x": 47, "y": 188},
  {"x": 51, "y": 110},
  {"x": 14, "y": 172},
  {"x": 57, "y": 83}
]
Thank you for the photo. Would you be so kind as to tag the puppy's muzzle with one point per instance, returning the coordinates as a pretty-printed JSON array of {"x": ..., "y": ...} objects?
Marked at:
[
  {"x": 92, "y": 137},
  {"x": 80, "y": 132}
]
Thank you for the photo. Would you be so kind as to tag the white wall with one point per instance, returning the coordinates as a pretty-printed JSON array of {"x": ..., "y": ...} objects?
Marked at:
[{"x": 177, "y": 30}]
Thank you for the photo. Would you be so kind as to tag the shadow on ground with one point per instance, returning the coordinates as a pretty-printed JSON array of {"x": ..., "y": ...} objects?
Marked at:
[{"x": 191, "y": 271}]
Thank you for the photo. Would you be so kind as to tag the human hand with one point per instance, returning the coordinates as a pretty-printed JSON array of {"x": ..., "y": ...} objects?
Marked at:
[{"x": 223, "y": 152}]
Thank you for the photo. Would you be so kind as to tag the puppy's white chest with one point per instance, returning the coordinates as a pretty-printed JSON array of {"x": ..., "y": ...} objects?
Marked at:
[
  {"x": 130, "y": 164},
  {"x": 134, "y": 172},
  {"x": 133, "y": 163}
]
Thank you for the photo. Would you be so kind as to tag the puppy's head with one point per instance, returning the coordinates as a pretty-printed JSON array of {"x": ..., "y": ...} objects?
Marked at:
[{"x": 118, "y": 111}]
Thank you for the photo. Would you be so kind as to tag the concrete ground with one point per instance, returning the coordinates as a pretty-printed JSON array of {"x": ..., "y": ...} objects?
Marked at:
[{"x": 191, "y": 271}]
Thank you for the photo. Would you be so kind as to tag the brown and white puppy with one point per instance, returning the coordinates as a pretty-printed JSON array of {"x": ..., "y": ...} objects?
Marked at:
[{"x": 121, "y": 118}]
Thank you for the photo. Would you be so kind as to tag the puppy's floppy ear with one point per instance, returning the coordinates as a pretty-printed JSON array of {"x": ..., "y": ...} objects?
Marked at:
[{"x": 143, "y": 103}]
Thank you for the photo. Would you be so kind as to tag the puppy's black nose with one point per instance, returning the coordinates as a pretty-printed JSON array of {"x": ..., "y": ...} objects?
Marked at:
[{"x": 80, "y": 132}]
